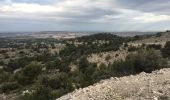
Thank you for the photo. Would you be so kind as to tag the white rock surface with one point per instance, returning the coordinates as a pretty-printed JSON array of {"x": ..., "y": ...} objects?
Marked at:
[{"x": 144, "y": 86}]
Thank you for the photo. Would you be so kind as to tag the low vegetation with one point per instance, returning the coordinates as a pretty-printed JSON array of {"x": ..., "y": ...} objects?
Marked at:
[
  {"x": 40, "y": 74},
  {"x": 166, "y": 50}
]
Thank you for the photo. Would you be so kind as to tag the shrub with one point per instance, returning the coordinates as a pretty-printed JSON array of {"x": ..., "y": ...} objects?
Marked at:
[
  {"x": 53, "y": 64},
  {"x": 154, "y": 46},
  {"x": 166, "y": 50},
  {"x": 102, "y": 66},
  {"x": 4, "y": 76},
  {"x": 49, "y": 87},
  {"x": 2, "y": 62},
  {"x": 40, "y": 93},
  {"x": 3, "y": 51},
  {"x": 143, "y": 60},
  {"x": 56, "y": 81},
  {"x": 9, "y": 86},
  {"x": 17, "y": 63},
  {"x": 126, "y": 45},
  {"x": 164, "y": 97},
  {"x": 159, "y": 34},
  {"x": 83, "y": 64},
  {"x": 147, "y": 60},
  {"x": 58, "y": 93},
  {"x": 122, "y": 68},
  {"x": 29, "y": 73},
  {"x": 101, "y": 74},
  {"x": 108, "y": 57},
  {"x": 63, "y": 67},
  {"x": 87, "y": 75},
  {"x": 132, "y": 48}
]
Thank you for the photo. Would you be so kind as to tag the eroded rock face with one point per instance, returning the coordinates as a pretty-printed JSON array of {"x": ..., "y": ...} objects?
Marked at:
[{"x": 154, "y": 86}]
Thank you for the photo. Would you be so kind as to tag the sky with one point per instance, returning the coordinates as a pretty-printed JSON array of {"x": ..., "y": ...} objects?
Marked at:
[{"x": 84, "y": 15}]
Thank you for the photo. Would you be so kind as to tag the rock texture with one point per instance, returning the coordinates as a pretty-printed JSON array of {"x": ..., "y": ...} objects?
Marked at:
[{"x": 154, "y": 86}]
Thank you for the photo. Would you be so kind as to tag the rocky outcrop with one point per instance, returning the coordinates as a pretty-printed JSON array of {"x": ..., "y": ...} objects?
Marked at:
[{"x": 154, "y": 86}]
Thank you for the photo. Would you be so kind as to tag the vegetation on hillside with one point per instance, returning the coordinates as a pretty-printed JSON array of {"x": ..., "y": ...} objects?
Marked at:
[{"x": 40, "y": 74}]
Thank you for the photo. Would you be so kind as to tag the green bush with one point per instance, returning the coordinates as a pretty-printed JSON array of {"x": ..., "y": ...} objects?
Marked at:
[
  {"x": 2, "y": 62},
  {"x": 49, "y": 87},
  {"x": 83, "y": 64},
  {"x": 4, "y": 76},
  {"x": 58, "y": 93},
  {"x": 33, "y": 69},
  {"x": 164, "y": 97},
  {"x": 147, "y": 60},
  {"x": 101, "y": 74},
  {"x": 29, "y": 73},
  {"x": 143, "y": 60},
  {"x": 56, "y": 81},
  {"x": 9, "y": 86},
  {"x": 166, "y": 50},
  {"x": 154, "y": 46},
  {"x": 17, "y": 63},
  {"x": 122, "y": 68},
  {"x": 40, "y": 93},
  {"x": 132, "y": 48},
  {"x": 159, "y": 34}
]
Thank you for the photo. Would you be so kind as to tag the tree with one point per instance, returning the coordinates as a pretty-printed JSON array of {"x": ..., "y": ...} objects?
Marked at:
[
  {"x": 57, "y": 81},
  {"x": 2, "y": 62},
  {"x": 83, "y": 64},
  {"x": 40, "y": 93},
  {"x": 9, "y": 86},
  {"x": 108, "y": 57},
  {"x": 17, "y": 63},
  {"x": 29, "y": 73},
  {"x": 143, "y": 60},
  {"x": 147, "y": 60},
  {"x": 166, "y": 50}
]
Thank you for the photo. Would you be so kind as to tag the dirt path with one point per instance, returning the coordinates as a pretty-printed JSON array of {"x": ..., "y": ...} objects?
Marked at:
[{"x": 154, "y": 86}]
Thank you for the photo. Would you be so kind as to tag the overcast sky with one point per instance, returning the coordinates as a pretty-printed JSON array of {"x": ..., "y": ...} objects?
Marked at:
[{"x": 84, "y": 15}]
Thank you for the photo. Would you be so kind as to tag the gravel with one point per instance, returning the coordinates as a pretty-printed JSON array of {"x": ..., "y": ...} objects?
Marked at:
[{"x": 154, "y": 86}]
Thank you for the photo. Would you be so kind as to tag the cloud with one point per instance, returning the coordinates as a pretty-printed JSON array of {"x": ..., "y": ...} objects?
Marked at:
[
  {"x": 66, "y": 9},
  {"x": 28, "y": 8},
  {"x": 83, "y": 13},
  {"x": 149, "y": 17},
  {"x": 133, "y": 16},
  {"x": 152, "y": 6}
]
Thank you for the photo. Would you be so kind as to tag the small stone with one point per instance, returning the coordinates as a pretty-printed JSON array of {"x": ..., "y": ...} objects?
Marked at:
[
  {"x": 116, "y": 78},
  {"x": 155, "y": 98}
]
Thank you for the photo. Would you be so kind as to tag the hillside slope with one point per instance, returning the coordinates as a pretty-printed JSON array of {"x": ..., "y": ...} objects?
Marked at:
[{"x": 154, "y": 86}]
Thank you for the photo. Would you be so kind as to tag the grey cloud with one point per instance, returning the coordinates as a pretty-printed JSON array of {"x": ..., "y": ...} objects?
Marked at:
[
  {"x": 111, "y": 15},
  {"x": 152, "y": 6}
]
